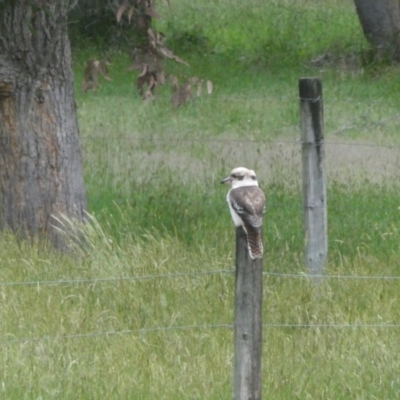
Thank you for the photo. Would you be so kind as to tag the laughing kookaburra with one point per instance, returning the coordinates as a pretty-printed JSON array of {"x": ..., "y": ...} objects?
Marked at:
[{"x": 247, "y": 205}]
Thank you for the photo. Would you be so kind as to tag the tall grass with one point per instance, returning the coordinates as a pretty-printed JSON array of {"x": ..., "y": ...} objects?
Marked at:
[
  {"x": 82, "y": 326},
  {"x": 107, "y": 352}
]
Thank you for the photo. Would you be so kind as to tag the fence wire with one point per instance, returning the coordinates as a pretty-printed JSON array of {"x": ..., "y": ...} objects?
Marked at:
[
  {"x": 83, "y": 281},
  {"x": 248, "y": 141},
  {"x": 143, "y": 331}
]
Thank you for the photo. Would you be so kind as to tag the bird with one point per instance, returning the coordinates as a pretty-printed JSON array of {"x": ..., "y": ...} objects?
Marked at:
[{"x": 247, "y": 206}]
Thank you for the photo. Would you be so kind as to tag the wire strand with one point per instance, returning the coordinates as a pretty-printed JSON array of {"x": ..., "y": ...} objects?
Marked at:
[
  {"x": 192, "y": 327},
  {"x": 309, "y": 276},
  {"x": 115, "y": 333},
  {"x": 190, "y": 274},
  {"x": 121, "y": 279},
  {"x": 248, "y": 141}
]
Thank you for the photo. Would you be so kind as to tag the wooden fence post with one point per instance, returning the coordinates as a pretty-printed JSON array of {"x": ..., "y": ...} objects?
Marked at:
[
  {"x": 314, "y": 185},
  {"x": 248, "y": 322}
]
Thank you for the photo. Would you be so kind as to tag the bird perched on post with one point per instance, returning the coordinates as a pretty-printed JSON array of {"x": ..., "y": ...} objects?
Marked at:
[{"x": 247, "y": 206}]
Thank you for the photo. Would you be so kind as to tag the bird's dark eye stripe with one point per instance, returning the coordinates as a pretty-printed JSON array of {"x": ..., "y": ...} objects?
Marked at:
[
  {"x": 253, "y": 177},
  {"x": 240, "y": 177}
]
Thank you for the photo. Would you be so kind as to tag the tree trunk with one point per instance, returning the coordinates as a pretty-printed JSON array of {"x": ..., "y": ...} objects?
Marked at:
[
  {"x": 41, "y": 171},
  {"x": 380, "y": 21}
]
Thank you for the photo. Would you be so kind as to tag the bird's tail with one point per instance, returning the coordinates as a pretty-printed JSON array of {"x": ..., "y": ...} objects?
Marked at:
[{"x": 254, "y": 243}]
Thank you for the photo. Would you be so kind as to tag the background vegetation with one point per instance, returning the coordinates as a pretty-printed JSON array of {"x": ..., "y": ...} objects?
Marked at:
[{"x": 152, "y": 175}]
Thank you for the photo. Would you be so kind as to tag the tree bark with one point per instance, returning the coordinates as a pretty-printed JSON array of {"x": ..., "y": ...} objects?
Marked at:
[
  {"x": 380, "y": 21},
  {"x": 41, "y": 169}
]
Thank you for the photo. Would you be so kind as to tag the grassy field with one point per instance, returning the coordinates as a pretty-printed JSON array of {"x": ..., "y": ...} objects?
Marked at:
[{"x": 158, "y": 212}]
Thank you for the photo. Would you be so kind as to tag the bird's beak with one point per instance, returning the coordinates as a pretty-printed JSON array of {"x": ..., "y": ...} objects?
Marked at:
[{"x": 226, "y": 180}]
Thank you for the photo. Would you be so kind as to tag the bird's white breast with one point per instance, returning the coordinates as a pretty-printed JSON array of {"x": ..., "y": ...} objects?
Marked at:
[{"x": 236, "y": 219}]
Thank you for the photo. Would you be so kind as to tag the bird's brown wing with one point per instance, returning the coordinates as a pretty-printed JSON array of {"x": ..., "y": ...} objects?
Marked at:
[{"x": 249, "y": 203}]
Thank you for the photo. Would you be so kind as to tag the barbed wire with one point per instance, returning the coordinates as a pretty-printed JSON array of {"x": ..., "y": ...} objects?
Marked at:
[
  {"x": 190, "y": 274},
  {"x": 192, "y": 327}
]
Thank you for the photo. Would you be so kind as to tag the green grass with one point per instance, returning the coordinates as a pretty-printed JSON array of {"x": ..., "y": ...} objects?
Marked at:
[
  {"x": 277, "y": 32},
  {"x": 152, "y": 175},
  {"x": 197, "y": 362}
]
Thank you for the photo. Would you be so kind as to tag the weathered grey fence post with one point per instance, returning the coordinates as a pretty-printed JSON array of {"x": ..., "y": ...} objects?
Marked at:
[
  {"x": 248, "y": 322},
  {"x": 314, "y": 185}
]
